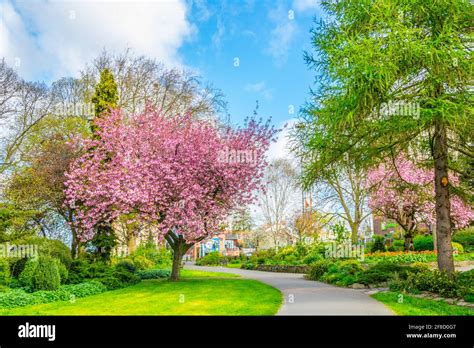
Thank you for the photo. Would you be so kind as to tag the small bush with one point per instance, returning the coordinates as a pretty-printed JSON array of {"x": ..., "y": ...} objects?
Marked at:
[
  {"x": 423, "y": 243},
  {"x": 317, "y": 269},
  {"x": 432, "y": 281},
  {"x": 312, "y": 257},
  {"x": 465, "y": 238},
  {"x": 457, "y": 248},
  {"x": 26, "y": 277},
  {"x": 126, "y": 265},
  {"x": 399, "y": 245},
  {"x": 16, "y": 298},
  {"x": 382, "y": 272},
  {"x": 48, "y": 247},
  {"x": 156, "y": 257},
  {"x": 247, "y": 265},
  {"x": 20, "y": 298},
  {"x": 211, "y": 259},
  {"x": 141, "y": 262},
  {"x": 46, "y": 275},
  {"x": 5, "y": 276},
  {"x": 17, "y": 265},
  {"x": 63, "y": 272},
  {"x": 85, "y": 289},
  {"x": 351, "y": 267},
  {"x": 154, "y": 273},
  {"x": 378, "y": 244}
]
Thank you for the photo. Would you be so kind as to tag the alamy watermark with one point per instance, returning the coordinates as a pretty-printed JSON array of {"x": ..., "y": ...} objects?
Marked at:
[
  {"x": 18, "y": 251},
  {"x": 74, "y": 109},
  {"x": 400, "y": 108},
  {"x": 345, "y": 251},
  {"x": 237, "y": 156}
]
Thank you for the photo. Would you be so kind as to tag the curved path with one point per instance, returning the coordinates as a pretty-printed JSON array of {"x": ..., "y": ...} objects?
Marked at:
[{"x": 306, "y": 297}]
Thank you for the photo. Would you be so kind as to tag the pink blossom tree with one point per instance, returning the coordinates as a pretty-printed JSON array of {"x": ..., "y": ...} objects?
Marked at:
[
  {"x": 405, "y": 193},
  {"x": 178, "y": 174}
]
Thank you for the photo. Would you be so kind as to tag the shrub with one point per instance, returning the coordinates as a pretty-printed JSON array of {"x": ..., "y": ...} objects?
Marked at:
[
  {"x": 49, "y": 247},
  {"x": 5, "y": 276},
  {"x": 16, "y": 298},
  {"x": 85, "y": 289},
  {"x": 351, "y": 267},
  {"x": 63, "y": 272},
  {"x": 118, "y": 276},
  {"x": 423, "y": 243},
  {"x": 312, "y": 257},
  {"x": 465, "y": 238},
  {"x": 286, "y": 253},
  {"x": 401, "y": 257},
  {"x": 248, "y": 265},
  {"x": 419, "y": 267},
  {"x": 432, "y": 281},
  {"x": 161, "y": 257},
  {"x": 43, "y": 296},
  {"x": 399, "y": 245},
  {"x": 262, "y": 256},
  {"x": 17, "y": 265},
  {"x": 154, "y": 273},
  {"x": 317, "y": 269},
  {"x": 378, "y": 244},
  {"x": 119, "y": 279},
  {"x": 26, "y": 277},
  {"x": 457, "y": 248},
  {"x": 141, "y": 262},
  {"x": 20, "y": 298},
  {"x": 46, "y": 275},
  {"x": 126, "y": 265},
  {"x": 382, "y": 272},
  {"x": 211, "y": 259}
]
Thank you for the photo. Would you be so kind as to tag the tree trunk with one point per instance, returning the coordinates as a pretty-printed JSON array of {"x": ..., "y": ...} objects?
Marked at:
[
  {"x": 74, "y": 244},
  {"x": 443, "y": 216},
  {"x": 354, "y": 233},
  {"x": 408, "y": 240},
  {"x": 131, "y": 243},
  {"x": 177, "y": 259},
  {"x": 180, "y": 247}
]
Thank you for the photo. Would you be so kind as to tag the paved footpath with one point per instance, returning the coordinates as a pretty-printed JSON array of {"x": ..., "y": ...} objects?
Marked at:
[{"x": 307, "y": 297}]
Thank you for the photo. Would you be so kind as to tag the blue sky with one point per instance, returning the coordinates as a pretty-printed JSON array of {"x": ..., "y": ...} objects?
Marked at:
[
  {"x": 267, "y": 39},
  {"x": 250, "y": 49}
]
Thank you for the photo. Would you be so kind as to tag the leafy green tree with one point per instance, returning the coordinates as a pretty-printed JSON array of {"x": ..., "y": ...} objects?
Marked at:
[
  {"x": 394, "y": 76},
  {"x": 38, "y": 184}
]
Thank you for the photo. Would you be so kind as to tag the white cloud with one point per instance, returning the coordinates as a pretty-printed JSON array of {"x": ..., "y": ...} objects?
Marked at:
[
  {"x": 305, "y": 5},
  {"x": 281, "y": 148},
  {"x": 260, "y": 89},
  {"x": 282, "y": 34},
  {"x": 55, "y": 39},
  {"x": 203, "y": 12},
  {"x": 216, "y": 38}
]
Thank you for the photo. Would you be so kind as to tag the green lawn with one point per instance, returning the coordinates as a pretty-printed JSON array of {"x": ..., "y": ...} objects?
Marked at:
[
  {"x": 419, "y": 306},
  {"x": 233, "y": 265},
  {"x": 198, "y": 293}
]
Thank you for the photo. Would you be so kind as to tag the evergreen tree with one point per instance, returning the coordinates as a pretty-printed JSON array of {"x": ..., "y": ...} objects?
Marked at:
[{"x": 105, "y": 96}]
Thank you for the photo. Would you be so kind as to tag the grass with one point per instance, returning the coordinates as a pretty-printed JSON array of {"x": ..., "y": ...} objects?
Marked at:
[
  {"x": 197, "y": 293},
  {"x": 233, "y": 265},
  {"x": 419, "y": 306},
  {"x": 188, "y": 273}
]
